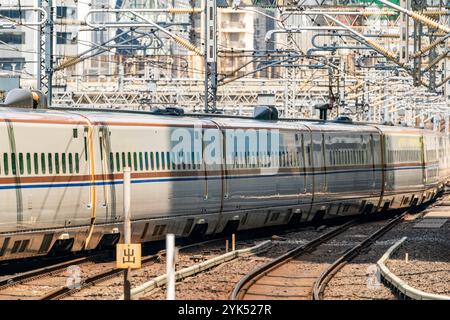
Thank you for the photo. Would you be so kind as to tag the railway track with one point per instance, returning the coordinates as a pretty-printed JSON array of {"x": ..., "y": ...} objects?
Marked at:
[
  {"x": 29, "y": 278},
  {"x": 303, "y": 273},
  {"x": 328, "y": 273},
  {"x": 111, "y": 272},
  {"x": 50, "y": 282}
]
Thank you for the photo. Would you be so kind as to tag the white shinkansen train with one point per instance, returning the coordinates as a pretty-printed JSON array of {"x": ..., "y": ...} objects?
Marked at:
[{"x": 61, "y": 175}]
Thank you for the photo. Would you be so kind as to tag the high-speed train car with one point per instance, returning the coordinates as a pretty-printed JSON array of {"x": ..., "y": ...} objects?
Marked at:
[{"x": 61, "y": 175}]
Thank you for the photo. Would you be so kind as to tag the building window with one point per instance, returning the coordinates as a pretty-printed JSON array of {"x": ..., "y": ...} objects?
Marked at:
[
  {"x": 12, "y": 37},
  {"x": 66, "y": 12},
  {"x": 13, "y": 14},
  {"x": 64, "y": 38}
]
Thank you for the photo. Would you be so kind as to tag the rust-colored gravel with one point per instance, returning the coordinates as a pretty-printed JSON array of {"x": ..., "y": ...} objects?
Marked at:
[
  {"x": 113, "y": 288},
  {"x": 218, "y": 282}
]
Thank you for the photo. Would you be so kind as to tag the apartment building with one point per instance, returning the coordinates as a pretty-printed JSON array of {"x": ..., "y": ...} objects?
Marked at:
[{"x": 19, "y": 44}]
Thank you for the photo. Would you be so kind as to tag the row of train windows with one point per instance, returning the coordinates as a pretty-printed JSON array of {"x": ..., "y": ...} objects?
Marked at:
[
  {"x": 139, "y": 161},
  {"x": 404, "y": 156},
  {"x": 264, "y": 159},
  {"x": 30, "y": 163},
  {"x": 431, "y": 154},
  {"x": 343, "y": 156}
]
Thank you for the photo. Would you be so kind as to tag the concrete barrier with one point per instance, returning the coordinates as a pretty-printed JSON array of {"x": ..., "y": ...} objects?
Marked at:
[
  {"x": 200, "y": 267},
  {"x": 401, "y": 286}
]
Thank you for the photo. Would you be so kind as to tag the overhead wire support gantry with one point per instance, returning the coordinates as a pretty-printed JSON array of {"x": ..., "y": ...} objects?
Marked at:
[{"x": 45, "y": 49}]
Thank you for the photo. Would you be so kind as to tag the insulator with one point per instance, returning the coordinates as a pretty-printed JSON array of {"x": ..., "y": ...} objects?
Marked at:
[
  {"x": 385, "y": 52},
  {"x": 68, "y": 63},
  {"x": 374, "y": 12},
  {"x": 188, "y": 45},
  {"x": 433, "y": 44},
  {"x": 429, "y": 21},
  {"x": 183, "y": 10},
  {"x": 436, "y": 13}
]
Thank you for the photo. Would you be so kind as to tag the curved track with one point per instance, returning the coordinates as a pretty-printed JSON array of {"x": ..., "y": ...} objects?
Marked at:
[{"x": 304, "y": 272}]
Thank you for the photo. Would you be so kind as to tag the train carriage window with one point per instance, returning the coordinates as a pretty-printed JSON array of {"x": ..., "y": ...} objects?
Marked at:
[
  {"x": 101, "y": 147},
  {"x": 117, "y": 162},
  {"x": 36, "y": 163},
  {"x": 43, "y": 168},
  {"x": 50, "y": 163},
  {"x": 71, "y": 163},
  {"x": 13, "y": 164},
  {"x": 187, "y": 161},
  {"x": 111, "y": 162},
  {"x": 157, "y": 160},
  {"x": 135, "y": 161},
  {"x": 168, "y": 161},
  {"x": 77, "y": 163},
  {"x": 146, "y": 160},
  {"x": 199, "y": 161},
  {"x": 152, "y": 161},
  {"x": 141, "y": 162},
  {"x": 85, "y": 145},
  {"x": 28, "y": 163},
  {"x": 173, "y": 161},
  {"x": 163, "y": 161},
  {"x": 5, "y": 163},
  {"x": 63, "y": 162},
  {"x": 56, "y": 163},
  {"x": 21, "y": 163},
  {"x": 308, "y": 154},
  {"x": 129, "y": 160},
  {"x": 124, "y": 160},
  {"x": 193, "y": 160}
]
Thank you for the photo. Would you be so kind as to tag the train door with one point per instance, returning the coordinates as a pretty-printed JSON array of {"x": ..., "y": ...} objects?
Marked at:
[
  {"x": 305, "y": 193},
  {"x": 107, "y": 192},
  {"x": 11, "y": 198},
  {"x": 320, "y": 179},
  {"x": 212, "y": 167}
]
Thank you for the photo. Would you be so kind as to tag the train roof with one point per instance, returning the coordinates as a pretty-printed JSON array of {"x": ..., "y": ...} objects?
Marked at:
[{"x": 146, "y": 118}]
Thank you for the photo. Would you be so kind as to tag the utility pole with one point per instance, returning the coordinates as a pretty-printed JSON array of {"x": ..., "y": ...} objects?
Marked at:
[
  {"x": 45, "y": 51},
  {"x": 417, "y": 5},
  {"x": 290, "y": 73},
  {"x": 210, "y": 13}
]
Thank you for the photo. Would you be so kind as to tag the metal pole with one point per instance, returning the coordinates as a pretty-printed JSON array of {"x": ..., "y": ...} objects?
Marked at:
[
  {"x": 127, "y": 226},
  {"x": 170, "y": 266},
  {"x": 210, "y": 14},
  {"x": 45, "y": 50}
]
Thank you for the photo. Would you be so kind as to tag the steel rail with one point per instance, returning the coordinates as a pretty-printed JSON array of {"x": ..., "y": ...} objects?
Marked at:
[
  {"x": 41, "y": 272},
  {"x": 245, "y": 283},
  {"x": 330, "y": 271},
  {"x": 110, "y": 273}
]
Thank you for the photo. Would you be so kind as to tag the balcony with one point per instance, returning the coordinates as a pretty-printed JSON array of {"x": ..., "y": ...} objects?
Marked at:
[{"x": 230, "y": 26}]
